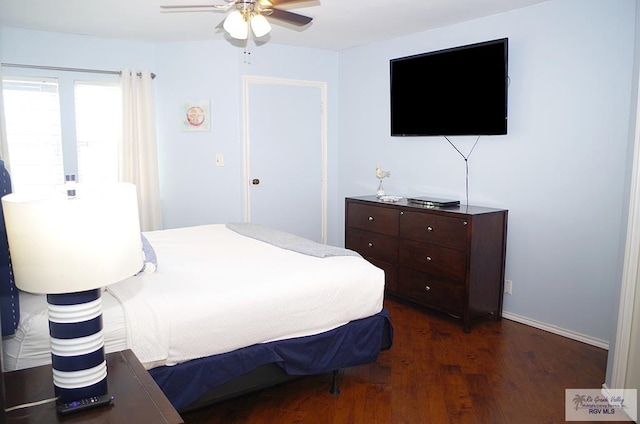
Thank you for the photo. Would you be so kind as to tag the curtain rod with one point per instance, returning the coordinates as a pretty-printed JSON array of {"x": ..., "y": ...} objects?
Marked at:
[{"x": 57, "y": 68}]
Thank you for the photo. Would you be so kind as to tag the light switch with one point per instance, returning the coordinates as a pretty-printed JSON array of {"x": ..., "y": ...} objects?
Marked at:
[{"x": 219, "y": 159}]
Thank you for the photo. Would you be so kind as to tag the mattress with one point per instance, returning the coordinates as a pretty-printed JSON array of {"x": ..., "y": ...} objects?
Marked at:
[{"x": 215, "y": 291}]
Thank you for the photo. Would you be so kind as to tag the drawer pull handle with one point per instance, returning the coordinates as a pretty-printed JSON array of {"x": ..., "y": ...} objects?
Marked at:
[
  {"x": 429, "y": 259},
  {"x": 429, "y": 228},
  {"x": 370, "y": 244},
  {"x": 370, "y": 218},
  {"x": 427, "y": 288},
  {"x": 464, "y": 223}
]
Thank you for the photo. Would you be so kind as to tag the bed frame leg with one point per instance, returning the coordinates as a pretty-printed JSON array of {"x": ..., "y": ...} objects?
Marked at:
[{"x": 335, "y": 390}]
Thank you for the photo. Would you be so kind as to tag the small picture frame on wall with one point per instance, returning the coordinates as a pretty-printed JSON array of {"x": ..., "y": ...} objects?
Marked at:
[{"x": 196, "y": 115}]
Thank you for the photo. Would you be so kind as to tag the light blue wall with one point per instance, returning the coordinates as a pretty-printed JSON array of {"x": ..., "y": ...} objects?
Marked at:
[
  {"x": 562, "y": 171},
  {"x": 194, "y": 190},
  {"x": 54, "y": 49}
]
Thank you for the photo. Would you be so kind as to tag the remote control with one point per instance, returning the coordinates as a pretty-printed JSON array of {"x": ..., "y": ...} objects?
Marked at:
[{"x": 82, "y": 404}]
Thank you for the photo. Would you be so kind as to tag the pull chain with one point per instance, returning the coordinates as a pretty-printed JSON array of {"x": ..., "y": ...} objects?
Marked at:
[{"x": 247, "y": 48}]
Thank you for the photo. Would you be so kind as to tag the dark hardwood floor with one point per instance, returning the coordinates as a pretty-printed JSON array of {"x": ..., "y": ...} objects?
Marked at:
[{"x": 501, "y": 372}]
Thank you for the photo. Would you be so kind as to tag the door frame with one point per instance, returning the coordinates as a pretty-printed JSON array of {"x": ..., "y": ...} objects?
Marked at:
[
  {"x": 247, "y": 81},
  {"x": 629, "y": 306}
]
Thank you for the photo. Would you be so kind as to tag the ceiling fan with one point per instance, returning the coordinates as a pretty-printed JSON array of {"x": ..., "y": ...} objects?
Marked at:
[{"x": 249, "y": 13}]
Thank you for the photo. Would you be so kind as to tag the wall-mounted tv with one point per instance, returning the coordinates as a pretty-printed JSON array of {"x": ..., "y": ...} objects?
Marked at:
[{"x": 457, "y": 91}]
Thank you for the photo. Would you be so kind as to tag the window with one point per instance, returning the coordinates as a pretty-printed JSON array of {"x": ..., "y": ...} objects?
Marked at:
[
  {"x": 46, "y": 141},
  {"x": 34, "y": 134},
  {"x": 98, "y": 130}
]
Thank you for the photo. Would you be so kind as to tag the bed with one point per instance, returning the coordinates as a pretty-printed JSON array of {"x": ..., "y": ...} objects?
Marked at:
[{"x": 223, "y": 309}]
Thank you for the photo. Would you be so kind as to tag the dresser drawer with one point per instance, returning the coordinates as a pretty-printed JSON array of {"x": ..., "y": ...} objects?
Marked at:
[
  {"x": 436, "y": 229},
  {"x": 373, "y": 218},
  {"x": 372, "y": 245},
  {"x": 429, "y": 291},
  {"x": 433, "y": 259}
]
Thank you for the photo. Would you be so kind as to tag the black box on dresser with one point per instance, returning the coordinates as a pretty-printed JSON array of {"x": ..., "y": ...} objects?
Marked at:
[{"x": 448, "y": 259}]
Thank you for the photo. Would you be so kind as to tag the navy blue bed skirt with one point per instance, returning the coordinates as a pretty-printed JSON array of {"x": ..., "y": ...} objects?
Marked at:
[{"x": 356, "y": 343}]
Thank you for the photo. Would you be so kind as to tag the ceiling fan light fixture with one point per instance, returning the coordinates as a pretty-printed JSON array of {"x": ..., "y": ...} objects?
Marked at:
[
  {"x": 260, "y": 25},
  {"x": 234, "y": 23},
  {"x": 247, "y": 13}
]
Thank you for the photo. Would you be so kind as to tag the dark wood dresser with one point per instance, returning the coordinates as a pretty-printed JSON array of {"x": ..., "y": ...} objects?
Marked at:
[{"x": 448, "y": 259}]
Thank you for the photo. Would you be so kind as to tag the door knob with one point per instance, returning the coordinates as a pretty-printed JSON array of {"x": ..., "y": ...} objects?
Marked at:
[{"x": 255, "y": 181}]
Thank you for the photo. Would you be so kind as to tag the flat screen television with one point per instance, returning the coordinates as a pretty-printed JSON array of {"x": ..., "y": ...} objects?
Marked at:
[{"x": 457, "y": 91}]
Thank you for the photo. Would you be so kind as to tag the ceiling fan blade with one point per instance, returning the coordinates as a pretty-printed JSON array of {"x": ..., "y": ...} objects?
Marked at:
[{"x": 290, "y": 17}]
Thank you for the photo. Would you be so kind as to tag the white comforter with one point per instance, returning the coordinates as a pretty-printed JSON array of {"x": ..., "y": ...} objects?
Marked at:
[{"x": 215, "y": 291}]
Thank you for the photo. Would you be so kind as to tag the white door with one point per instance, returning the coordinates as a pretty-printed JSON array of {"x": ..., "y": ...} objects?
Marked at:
[{"x": 285, "y": 155}]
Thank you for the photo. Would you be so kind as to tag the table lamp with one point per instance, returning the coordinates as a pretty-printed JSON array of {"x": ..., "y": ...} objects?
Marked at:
[{"x": 69, "y": 246}]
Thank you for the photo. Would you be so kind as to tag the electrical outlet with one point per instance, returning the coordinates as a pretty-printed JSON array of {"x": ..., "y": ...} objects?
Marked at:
[{"x": 508, "y": 286}]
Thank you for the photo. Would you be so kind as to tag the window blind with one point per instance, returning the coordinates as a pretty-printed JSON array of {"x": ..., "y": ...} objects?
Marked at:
[{"x": 34, "y": 135}]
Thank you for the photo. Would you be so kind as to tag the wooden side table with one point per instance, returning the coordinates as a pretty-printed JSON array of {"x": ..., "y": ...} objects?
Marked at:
[{"x": 137, "y": 397}]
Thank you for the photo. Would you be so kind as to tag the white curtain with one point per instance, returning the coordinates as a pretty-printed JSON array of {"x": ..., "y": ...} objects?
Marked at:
[{"x": 138, "y": 154}]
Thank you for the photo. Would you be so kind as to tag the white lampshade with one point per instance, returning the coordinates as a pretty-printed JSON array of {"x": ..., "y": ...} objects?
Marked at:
[
  {"x": 235, "y": 25},
  {"x": 260, "y": 25},
  {"x": 62, "y": 245},
  {"x": 242, "y": 33}
]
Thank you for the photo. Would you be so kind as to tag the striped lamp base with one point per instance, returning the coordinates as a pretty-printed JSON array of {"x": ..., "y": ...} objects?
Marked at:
[{"x": 77, "y": 345}]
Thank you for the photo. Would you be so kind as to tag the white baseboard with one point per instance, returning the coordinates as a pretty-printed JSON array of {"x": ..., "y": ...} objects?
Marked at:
[{"x": 556, "y": 330}]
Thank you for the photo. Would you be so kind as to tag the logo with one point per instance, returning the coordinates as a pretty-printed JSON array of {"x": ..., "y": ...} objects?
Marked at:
[{"x": 601, "y": 405}]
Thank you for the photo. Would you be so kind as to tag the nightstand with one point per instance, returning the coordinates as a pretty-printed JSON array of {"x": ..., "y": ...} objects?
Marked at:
[{"x": 137, "y": 397}]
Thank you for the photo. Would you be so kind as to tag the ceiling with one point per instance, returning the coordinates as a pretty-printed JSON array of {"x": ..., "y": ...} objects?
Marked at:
[{"x": 336, "y": 25}]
